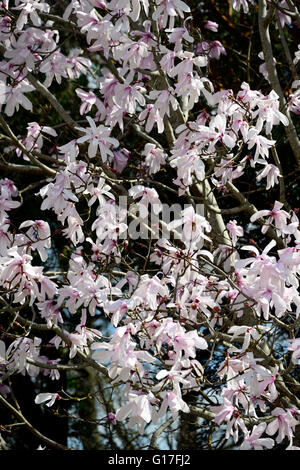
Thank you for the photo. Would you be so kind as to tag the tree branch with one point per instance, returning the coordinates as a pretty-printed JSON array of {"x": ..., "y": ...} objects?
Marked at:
[
  {"x": 45, "y": 169},
  {"x": 32, "y": 429},
  {"x": 290, "y": 130}
]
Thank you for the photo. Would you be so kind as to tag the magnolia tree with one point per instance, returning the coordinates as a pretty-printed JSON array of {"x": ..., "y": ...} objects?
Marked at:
[{"x": 148, "y": 215}]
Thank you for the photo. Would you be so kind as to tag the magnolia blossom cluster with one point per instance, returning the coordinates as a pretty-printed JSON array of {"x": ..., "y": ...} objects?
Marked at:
[{"x": 194, "y": 301}]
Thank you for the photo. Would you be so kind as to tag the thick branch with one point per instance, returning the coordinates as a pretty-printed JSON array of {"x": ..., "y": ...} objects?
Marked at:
[
  {"x": 22, "y": 169},
  {"x": 290, "y": 130},
  {"x": 52, "y": 99}
]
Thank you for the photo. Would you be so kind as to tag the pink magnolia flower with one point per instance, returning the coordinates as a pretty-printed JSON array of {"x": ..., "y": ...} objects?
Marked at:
[
  {"x": 186, "y": 65},
  {"x": 132, "y": 7},
  {"x": 234, "y": 230},
  {"x": 120, "y": 159},
  {"x": 238, "y": 394},
  {"x": 127, "y": 96},
  {"x": 223, "y": 412},
  {"x": 104, "y": 32},
  {"x": 169, "y": 9},
  {"x": 34, "y": 139},
  {"x": 164, "y": 99},
  {"x": 176, "y": 35},
  {"x": 97, "y": 137},
  {"x": 57, "y": 195},
  {"x": 70, "y": 151},
  {"x": 284, "y": 423},
  {"x": 260, "y": 260},
  {"x": 29, "y": 8},
  {"x": 50, "y": 311},
  {"x": 263, "y": 67},
  {"x": 276, "y": 215},
  {"x": 238, "y": 4},
  {"x": 190, "y": 86},
  {"x": 189, "y": 343},
  {"x": 153, "y": 115},
  {"x": 77, "y": 65},
  {"x": 284, "y": 18},
  {"x": 98, "y": 192},
  {"x": 4, "y": 390},
  {"x": 295, "y": 347},
  {"x": 294, "y": 102},
  {"x": 174, "y": 377},
  {"x": 231, "y": 367},
  {"x": 294, "y": 98},
  {"x": 254, "y": 372},
  {"x": 254, "y": 440},
  {"x": 227, "y": 171},
  {"x": 13, "y": 97},
  {"x": 167, "y": 61},
  {"x": 176, "y": 337},
  {"x": 6, "y": 203},
  {"x": 262, "y": 143},
  {"x": 297, "y": 55},
  {"x": 213, "y": 49},
  {"x": 39, "y": 236},
  {"x": 78, "y": 343},
  {"x": 271, "y": 172},
  {"x": 188, "y": 164},
  {"x": 22, "y": 50},
  {"x": 107, "y": 87},
  {"x": 146, "y": 35},
  {"x": 46, "y": 397},
  {"x": 133, "y": 53},
  {"x": 174, "y": 402},
  {"x": 75, "y": 299},
  {"x": 269, "y": 298},
  {"x": 248, "y": 333},
  {"x": 54, "y": 66},
  {"x": 74, "y": 230},
  {"x": 118, "y": 308},
  {"x": 8, "y": 186},
  {"x": 268, "y": 112},
  {"x": 22, "y": 349},
  {"x": 212, "y": 26},
  {"x": 110, "y": 221},
  {"x": 111, "y": 417},
  {"x": 267, "y": 387},
  {"x": 148, "y": 196},
  {"x": 149, "y": 290},
  {"x": 17, "y": 270},
  {"x": 229, "y": 414},
  {"x": 219, "y": 133},
  {"x": 154, "y": 157},
  {"x": 122, "y": 355},
  {"x": 194, "y": 226},
  {"x": 88, "y": 100}
]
